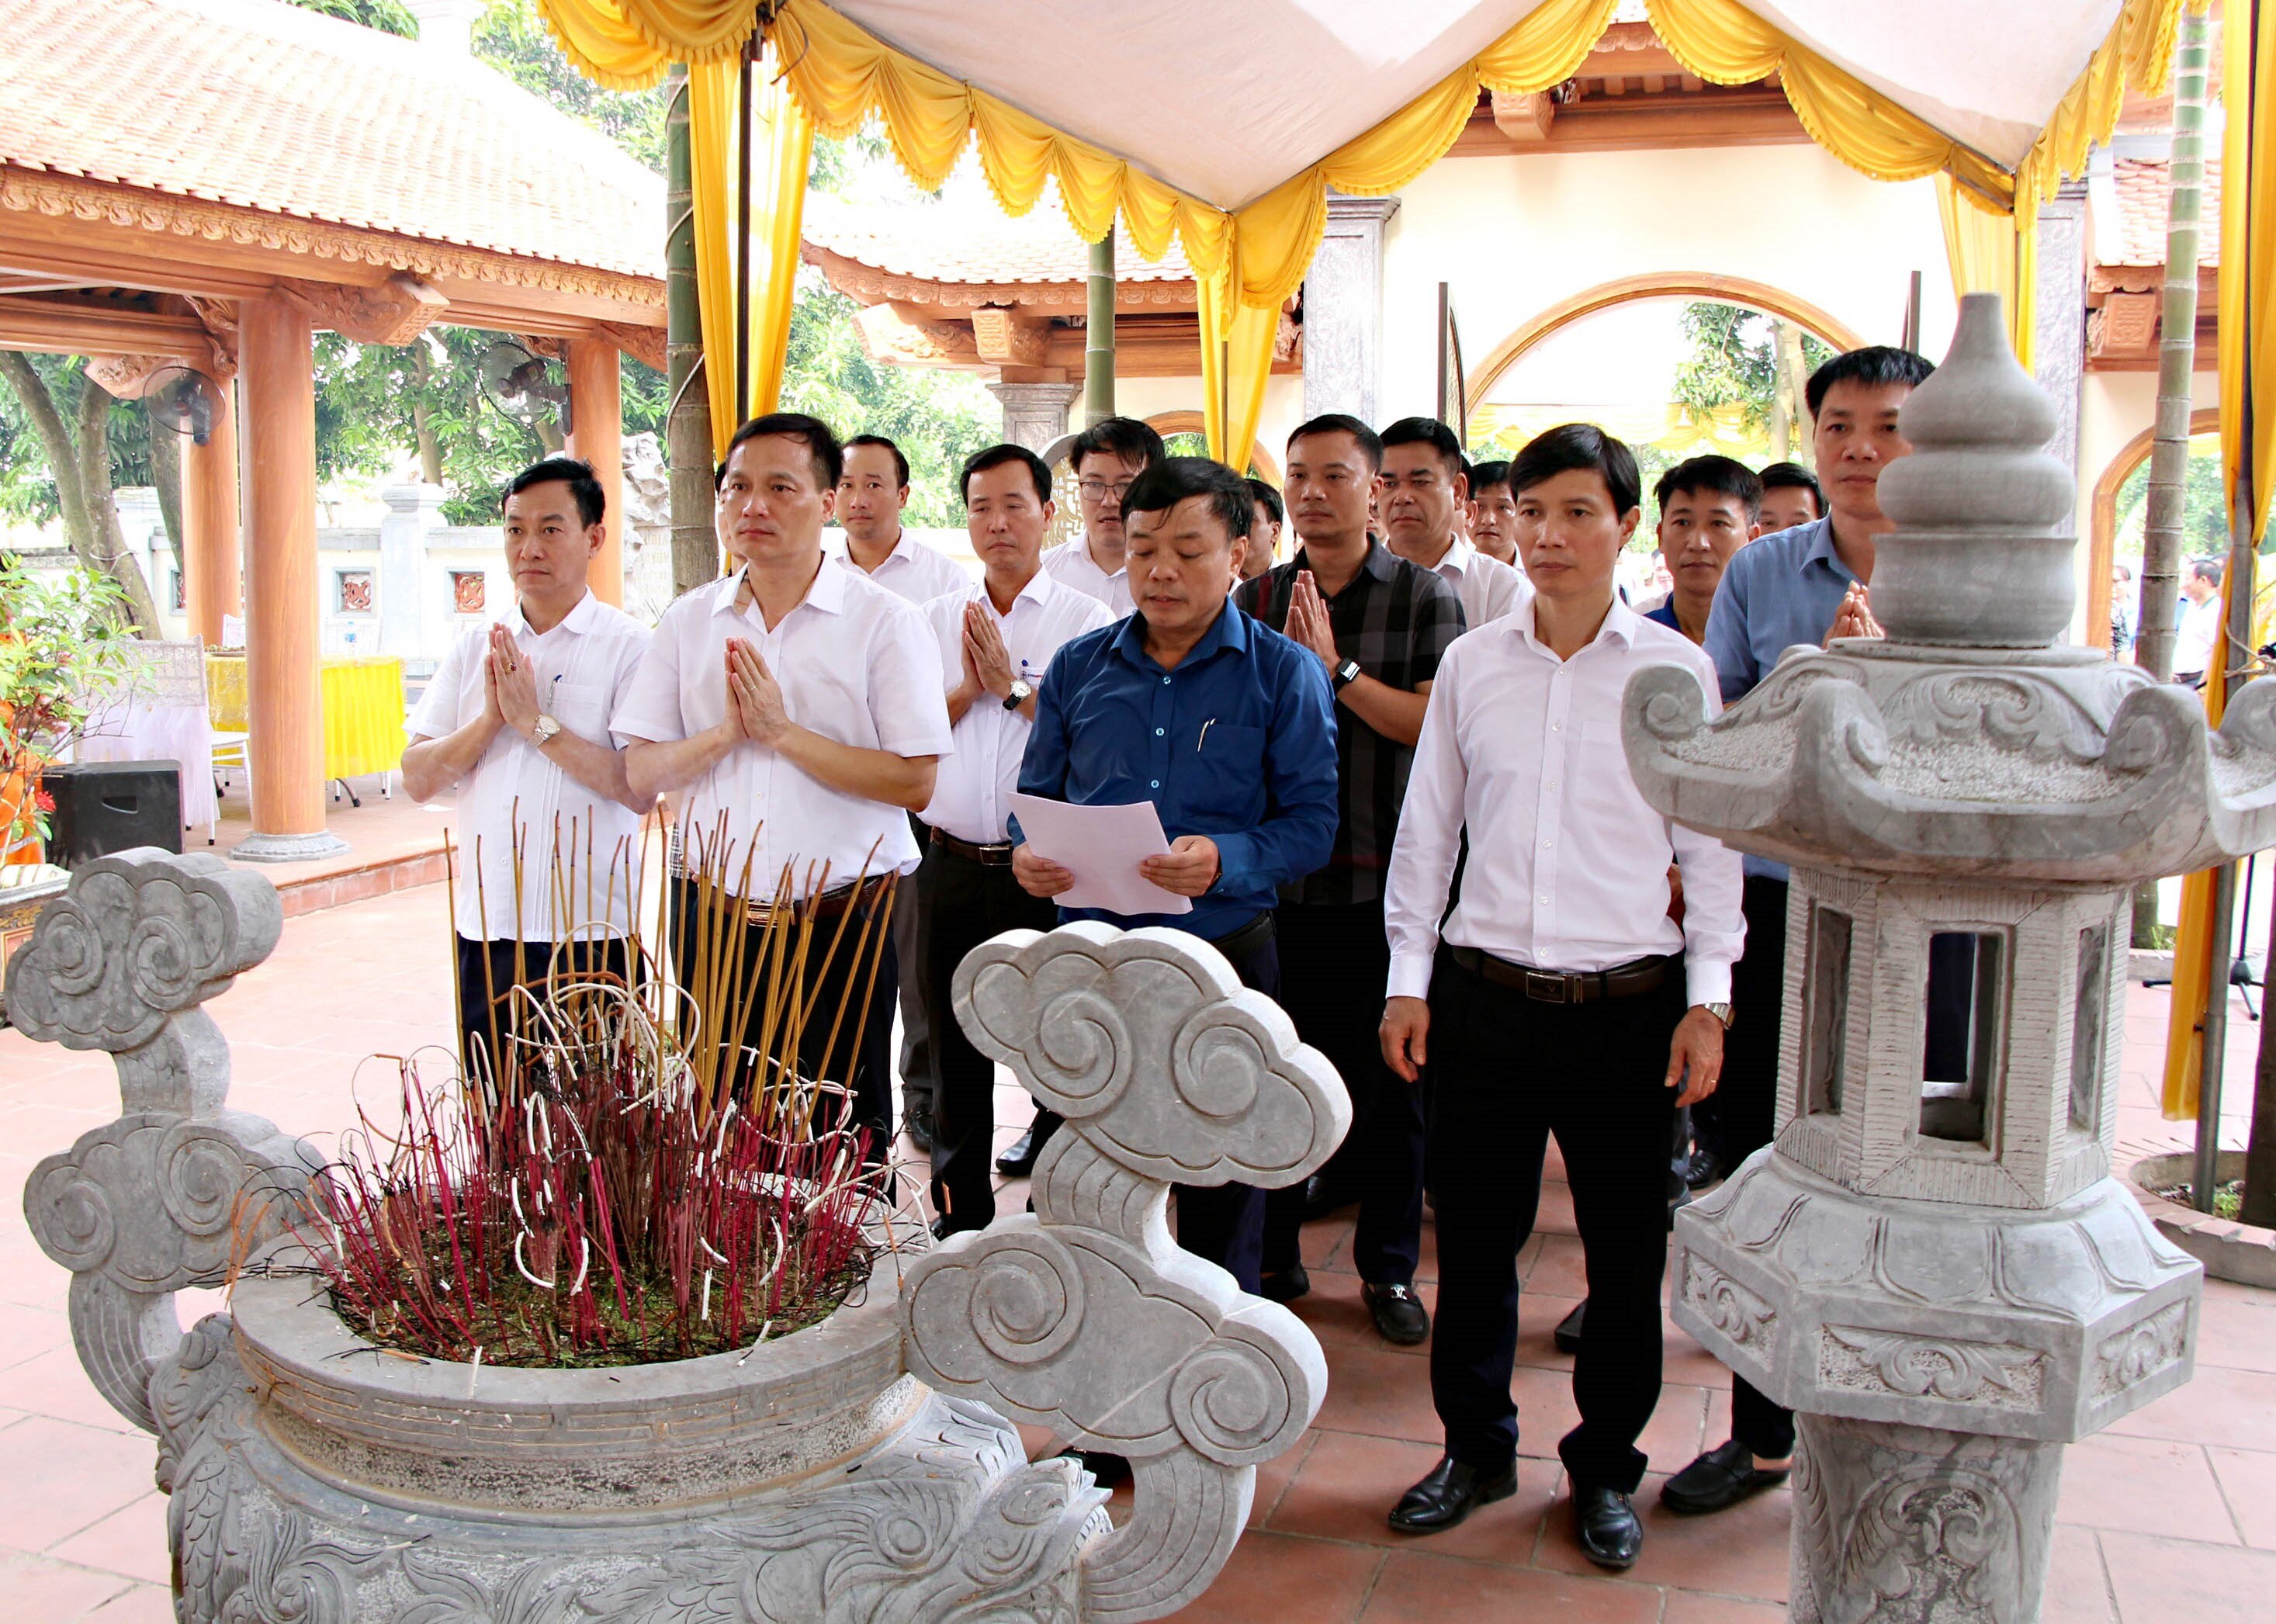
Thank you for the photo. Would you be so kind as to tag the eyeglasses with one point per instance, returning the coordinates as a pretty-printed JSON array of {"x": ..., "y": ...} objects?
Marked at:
[{"x": 1095, "y": 490}]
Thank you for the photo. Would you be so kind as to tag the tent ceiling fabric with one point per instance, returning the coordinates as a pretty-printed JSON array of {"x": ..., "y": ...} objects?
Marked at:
[
  {"x": 1226, "y": 101},
  {"x": 1223, "y": 102}
]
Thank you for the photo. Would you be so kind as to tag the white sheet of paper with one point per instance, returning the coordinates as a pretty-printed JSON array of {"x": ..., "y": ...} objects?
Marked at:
[{"x": 1103, "y": 845}]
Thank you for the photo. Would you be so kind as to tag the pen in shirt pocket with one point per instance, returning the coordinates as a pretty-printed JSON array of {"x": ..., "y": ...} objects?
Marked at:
[{"x": 1203, "y": 739}]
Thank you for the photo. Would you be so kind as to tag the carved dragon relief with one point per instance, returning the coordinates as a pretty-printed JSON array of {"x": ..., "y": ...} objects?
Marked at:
[{"x": 1086, "y": 1318}]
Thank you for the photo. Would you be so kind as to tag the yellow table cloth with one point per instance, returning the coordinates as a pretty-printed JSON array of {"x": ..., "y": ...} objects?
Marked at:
[{"x": 363, "y": 710}]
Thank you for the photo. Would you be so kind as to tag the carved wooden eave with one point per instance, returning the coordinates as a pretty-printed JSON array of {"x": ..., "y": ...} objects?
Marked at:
[
  {"x": 394, "y": 312},
  {"x": 2123, "y": 327}
]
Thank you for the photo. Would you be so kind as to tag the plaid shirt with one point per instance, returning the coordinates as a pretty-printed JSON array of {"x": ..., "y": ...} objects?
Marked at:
[{"x": 1396, "y": 619}]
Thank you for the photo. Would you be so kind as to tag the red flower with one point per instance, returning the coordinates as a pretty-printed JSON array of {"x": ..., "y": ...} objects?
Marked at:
[{"x": 42, "y": 800}]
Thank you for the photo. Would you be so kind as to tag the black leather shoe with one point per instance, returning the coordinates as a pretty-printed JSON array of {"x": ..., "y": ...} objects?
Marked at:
[
  {"x": 1322, "y": 1198},
  {"x": 1108, "y": 1471},
  {"x": 1018, "y": 1157},
  {"x": 1605, "y": 1522},
  {"x": 1706, "y": 1168},
  {"x": 940, "y": 1229},
  {"x": 1716, "y": 1480},
  {"x": 1567, "y": 1334},
  {"x": 1450, "y": 1493},
  {"x": 918, "y": 1126},
  {"x": 1398, "y": 1313},
  {"x": 1286, "y": 1285}
]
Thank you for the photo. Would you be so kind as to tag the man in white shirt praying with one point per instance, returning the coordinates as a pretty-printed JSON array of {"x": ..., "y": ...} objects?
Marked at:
[
  {"x": 872, "y": 489},
  {"x": 996, "y": 642},
  {"x": 794, "y": 710},
  {"x": 1106, "y": 457},
  {"x": 1425, "y": 494},
  {"x": 1561, "y": 998},
  {"x": 516, "y": 718}
]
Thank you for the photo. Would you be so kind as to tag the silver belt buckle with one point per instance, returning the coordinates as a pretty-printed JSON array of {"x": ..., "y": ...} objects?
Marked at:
[{"x": 1547, "y": 988}]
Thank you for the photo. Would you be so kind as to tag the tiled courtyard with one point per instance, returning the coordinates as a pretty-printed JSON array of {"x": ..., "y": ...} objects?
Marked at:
[{"x": 2169, "y": 1518}]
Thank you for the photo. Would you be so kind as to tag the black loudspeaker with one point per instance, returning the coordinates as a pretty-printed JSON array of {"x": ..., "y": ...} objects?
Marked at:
[{"x": 106, "y": 806}]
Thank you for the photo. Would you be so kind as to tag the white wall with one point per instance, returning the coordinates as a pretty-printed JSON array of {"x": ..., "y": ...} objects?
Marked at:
[{"x": 1515, "y": 235}]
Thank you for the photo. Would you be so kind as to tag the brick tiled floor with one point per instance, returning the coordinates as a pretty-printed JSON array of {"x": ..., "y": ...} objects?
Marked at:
[{"x": 2171, "y": 1516}]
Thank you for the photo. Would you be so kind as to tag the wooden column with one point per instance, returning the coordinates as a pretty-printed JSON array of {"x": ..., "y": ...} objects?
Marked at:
[
  {"x": 597, "y": 435},
  {"x": 284, "y": 706},
  {"x": 211, "y": 584}
]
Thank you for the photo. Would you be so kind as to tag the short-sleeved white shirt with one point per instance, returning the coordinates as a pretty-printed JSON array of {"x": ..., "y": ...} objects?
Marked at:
[
  {"x": 912, "y": 572},
  {"x": 519, "y": 794},
  {"x": 971, "y": 797},
  {"x": 856, "y": 664},
  {"x": 1488, "y": 588},
  {"x": 1071, "y": 561}
]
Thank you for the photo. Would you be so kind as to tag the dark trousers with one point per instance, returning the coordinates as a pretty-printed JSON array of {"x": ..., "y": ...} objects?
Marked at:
[
  {"x": 920, "y": 1072},
  {"x": 1225, "y": 1222},
  {"x": 963, "y": 904},
  {"x": 1334, "y": 962},
  {"x": 860, "y": 1058},
  {"x": 1505, "y": 1073},
  {"x": 489, "y": 972}
]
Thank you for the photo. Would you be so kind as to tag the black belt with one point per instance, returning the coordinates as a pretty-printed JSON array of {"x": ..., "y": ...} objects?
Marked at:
[
  {"x": 828, "y": 905},
  {"x": 1622, "y": 981},
  {"x": 1248, "y": 939},
  {"x": 996, "y": 856}
]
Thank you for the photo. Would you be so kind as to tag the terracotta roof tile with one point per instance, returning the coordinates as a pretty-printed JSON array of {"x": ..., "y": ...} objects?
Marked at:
[
  {"x": 969, "y": 238},
  {"x": 267, "y": 107},
  {"x": 2142, "y": 188}
]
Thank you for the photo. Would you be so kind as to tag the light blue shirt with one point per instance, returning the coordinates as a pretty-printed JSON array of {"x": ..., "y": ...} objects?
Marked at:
[{"x": 1782, "y": 589}]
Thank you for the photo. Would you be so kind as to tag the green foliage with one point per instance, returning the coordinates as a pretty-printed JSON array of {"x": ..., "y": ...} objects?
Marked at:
[
  {"x": 387, "y": 16},
  {"x": 1734, "y": 360},
  {"x": 2205, "y": 515},
  {"x": 28, "y": 484},
  {"x": 61, "y": 641},
  {"x": 512, "y": 39}
]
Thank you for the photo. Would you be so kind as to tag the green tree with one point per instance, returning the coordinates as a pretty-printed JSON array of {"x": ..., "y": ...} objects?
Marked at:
[
  {"x": 1758, "y": 363},
  {"x": 86, "y": 439}
]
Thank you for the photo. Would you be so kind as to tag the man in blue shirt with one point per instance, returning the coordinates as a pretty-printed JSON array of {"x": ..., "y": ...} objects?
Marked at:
[
  {"x": 1805, "y": 585},
  {"x": 1226, "y": 727}
]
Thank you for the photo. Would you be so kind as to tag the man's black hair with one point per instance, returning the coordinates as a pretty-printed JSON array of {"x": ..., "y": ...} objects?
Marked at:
[
  {"x": 1270, "y": 498},
  {"x": 1175, "y": 479},
  {"x": 1427, "y": 431},
  {"x": 592, "y": 501},
  {"x": 2208, "y": 569},
  {"x": 1123, "y": 437},
  {"x": 1794, "y": 476},
  {"x": 1485, "y": 475},
  {"x": 900, "y": 463},
  {"x": 1370, "y": 446},
  {"x": 821, "y": 444},
  {"x": 1872, "y": 366},
  {"x": 1718, "y": 475},
  {"x": 996, "y": 457},
  {"x": 1569, "y": 446}
]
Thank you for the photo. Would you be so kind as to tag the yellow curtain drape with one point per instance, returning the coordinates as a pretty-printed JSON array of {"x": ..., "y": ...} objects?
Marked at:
[
  {"x": 2248, "y": 397},
  {"x": 1247, "y": 264},
  {"x": 1985, "y": 251}
]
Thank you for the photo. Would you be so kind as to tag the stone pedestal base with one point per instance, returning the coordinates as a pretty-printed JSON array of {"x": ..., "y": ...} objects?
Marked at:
[
  {"x": 288, "y": 848},
  {"x": 1915, "y": 1525}
]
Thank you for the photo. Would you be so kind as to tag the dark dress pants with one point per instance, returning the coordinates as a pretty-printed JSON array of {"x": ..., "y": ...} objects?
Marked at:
[
  {"x": 488, "y": 971},
  {"x": 1334, "y": 962},
  {"x": 861, "y": 1056},
  {"x": 919, "y": 1073},
  {"x": 965, "y": 903},
  {"x": 1507, "y": 1071},
  {"x": 1225, "y": 1222}
]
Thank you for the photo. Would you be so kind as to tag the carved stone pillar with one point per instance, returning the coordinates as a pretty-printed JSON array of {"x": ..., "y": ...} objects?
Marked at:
[
  {"x": 2059, "y": 315},
  {"x": 412, "y": 511},
  {"x": 597, "y": 435},
  {"x": 211, "y": 587},
  {"x": 1036, "y": 414},
  {"x": 283, "y": 673},
  {"x": 1343, "y": 309}
]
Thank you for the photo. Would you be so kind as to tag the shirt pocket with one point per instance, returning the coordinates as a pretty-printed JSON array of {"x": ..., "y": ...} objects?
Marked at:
[
  {"x": 1227, "y": 759},
  {"x": 582, "y": 709}
]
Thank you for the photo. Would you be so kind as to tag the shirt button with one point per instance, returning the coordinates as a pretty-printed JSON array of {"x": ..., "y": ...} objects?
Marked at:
[
  {"x": 1156, "y": 784},
  {"x": 1165, "y": 682},
  {"x": 1543, "y": 900},
  {"x": 1157, "y": 732}
]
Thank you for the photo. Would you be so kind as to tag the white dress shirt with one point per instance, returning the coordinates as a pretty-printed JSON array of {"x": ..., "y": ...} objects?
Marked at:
[
  {"x": 1071, "y": 561},
  {"x": 2199, "y": 630},
  {"x": 1488, "y": 588},
  {"x": 971, "y": 797},
  {"x": 518, "y": 793},
  {"x": 856, "y": 664},
  {"x": 1567, "y": 867},
  {"x": 912, "y": 572}
]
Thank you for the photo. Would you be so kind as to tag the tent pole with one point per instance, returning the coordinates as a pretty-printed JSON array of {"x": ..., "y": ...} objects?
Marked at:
[
  {"x": 688, "y": 422},
  {"x": 743, "y": 233},
  {"x": 1098, "y": 334}
]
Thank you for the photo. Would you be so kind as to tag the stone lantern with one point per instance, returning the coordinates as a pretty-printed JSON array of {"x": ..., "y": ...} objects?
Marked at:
[{"x": 1932, "y": 1265}]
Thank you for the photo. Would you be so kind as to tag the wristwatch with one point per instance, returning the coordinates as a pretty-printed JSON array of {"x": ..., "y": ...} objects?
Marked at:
[
  {"x": 1022, "y": 691},
  {"x": 1345, "y": 674},
  {"x": 542, "y": 731},
  {"x": 1721, "y": 1012}
]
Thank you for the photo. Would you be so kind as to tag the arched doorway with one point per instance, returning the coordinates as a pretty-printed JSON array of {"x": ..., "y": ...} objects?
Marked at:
[
  {"x": 2102, "y": 544},
  {"x": 1659, "y": 284}
]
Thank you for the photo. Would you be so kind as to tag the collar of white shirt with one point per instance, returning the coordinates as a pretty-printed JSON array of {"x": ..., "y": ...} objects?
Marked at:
[
  {"x": 826, "y": 592},
  {"x": 1620, "y": 623},
  {"x": 577, "y": 622}
]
